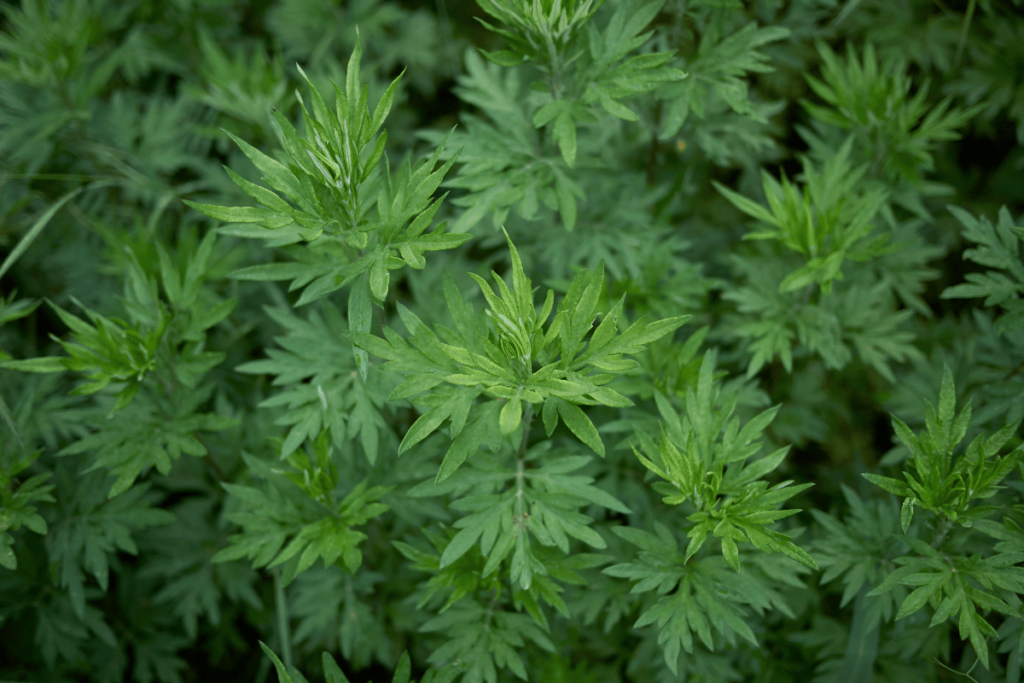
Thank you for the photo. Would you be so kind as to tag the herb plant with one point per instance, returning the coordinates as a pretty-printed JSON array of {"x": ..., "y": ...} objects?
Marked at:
[{"x": 551, "y": 340}]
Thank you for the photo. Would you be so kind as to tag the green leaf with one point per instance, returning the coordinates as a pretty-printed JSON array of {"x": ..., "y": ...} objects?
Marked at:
[
  {"x": 730, "y": 552},
  {"x": 511, "y": 416},
  {"x": 275, "y": 173},
  {"x": 381, "y": 111},
  {"x": 270, "y": 271},
  {"x": 548, "y": 112},
  {"x": 566, "y": 201},
  {"x": 169, "y": 276},
  {"x": 403, "y": 670},
  {"x": 618, "y": 110},
  {"x": 260, "y": 194},
  {"x": 464, "y": 540},
  {"x": 33, "y": 232},
  {"x": 919, "y": 597},
  {"x": 468, "y": 441},
  {"x": 893, "y": 486},
  {"x": 565, "y": 136},
  {"x": 580, "y": 425},
  {"x": 907, "y": 513},
  {"x": 332, "y": 672},
  {"x": 998, "y": 247},
  {"x": 947, "y": 397},
  {"x": 424, "y": 426},
  {"x": 905, "y": 435},
  {"x": 379, "y": 278},
  {"x": 747, "y": 206},
  {"x": 282, "y": 674},
  {"x": 795, "y": 552},
  {"x": 502, "y": 57},
  {"x": 242, "y": 214},
  {"x": 43, "y": 364}
]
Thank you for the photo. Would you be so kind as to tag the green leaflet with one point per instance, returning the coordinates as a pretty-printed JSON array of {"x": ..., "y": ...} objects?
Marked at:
[
  {"x": 508, "y": 373},
  {"x": 703, "y": 601},
  {"x": 946, "y": 486},
  {"x": 731, "y": 500},
  {"x": 26, "y": 241},
  {"x": 997, "y": 246},
  {"x": 243, "y": 214},
  {"x": 325, "y": 178},
  {"x": 580, "y": 425},
  {"x": 340, "y": 400},
  {"x": 44, "y": 365},
  {"x": 271, "y": 521}
]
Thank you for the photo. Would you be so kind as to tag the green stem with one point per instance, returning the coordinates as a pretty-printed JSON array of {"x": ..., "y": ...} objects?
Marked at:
[
  {"x": 282, "y": 620},
  {"x": 556, "y": 68},
  {"x": 209, "y": 458},
  {"x": 520, "y": 499},
  {"x": 520, "y": 505},
  {"x": 940, "y": 532},
  {"x": 527, "y": 419},
  {"x": 490, "y": 609},
  {"x": 652, "y": 154},
  {"x": 5, "y": 413},
  {"x": 446, "y": 30},
  {"x": 964, "y": 31}
]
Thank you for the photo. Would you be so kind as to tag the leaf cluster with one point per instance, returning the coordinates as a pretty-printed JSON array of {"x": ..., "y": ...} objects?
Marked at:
[
  {"x": 305, "y": 510},
  {"x": 949, "y": 581},
  {"x": 471, "y": 364}
]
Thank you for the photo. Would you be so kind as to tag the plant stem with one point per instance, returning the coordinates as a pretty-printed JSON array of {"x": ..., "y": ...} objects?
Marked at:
[
  {"x": 209, "y": 458},
  {"x": 490, "y": 610},
  {"x": 940, "y": 532},
  {"x": 527, "y": 419},
  {"x": 964, "y": 31},
  {"x": 282, "y": 620},
  {"x": 807, "y": 295},
  {"x": 556, "y": 68},
  {"x": 521, "y": 463},
  {"x": 652, "y": 154}
]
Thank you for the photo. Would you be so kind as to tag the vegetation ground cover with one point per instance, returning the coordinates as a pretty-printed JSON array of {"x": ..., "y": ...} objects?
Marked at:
[{"x": 552, "y": 340}]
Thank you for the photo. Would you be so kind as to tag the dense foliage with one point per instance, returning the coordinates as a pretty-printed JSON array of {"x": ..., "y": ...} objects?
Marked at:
[{"x": 559, "y": 340}]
